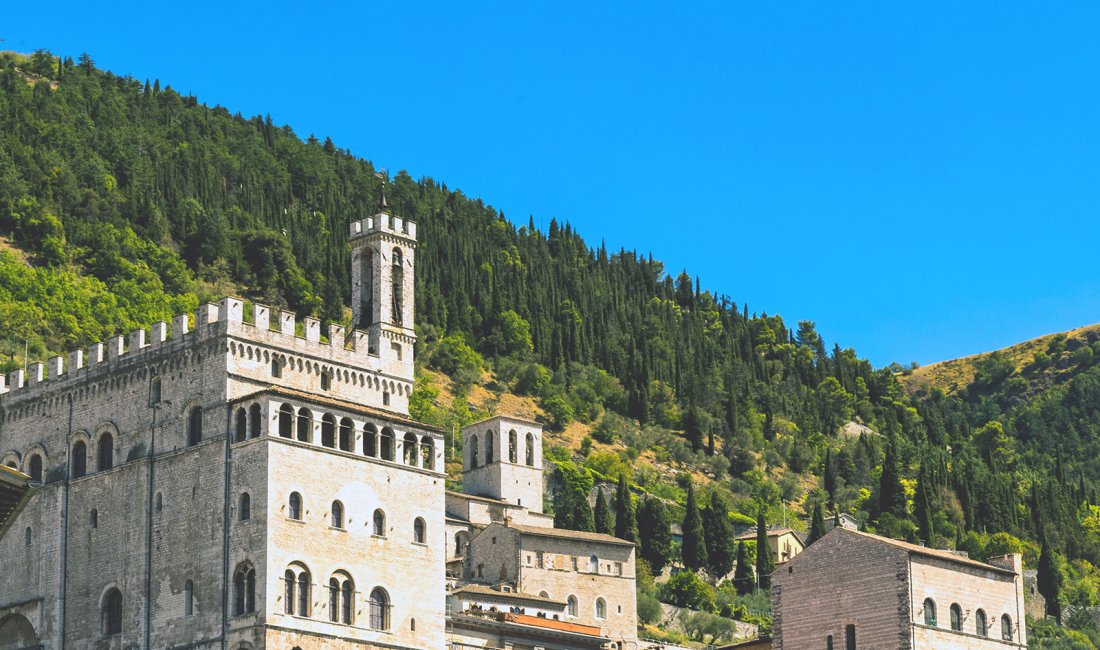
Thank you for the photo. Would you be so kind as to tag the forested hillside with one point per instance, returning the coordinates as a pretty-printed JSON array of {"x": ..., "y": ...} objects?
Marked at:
[{"x": 123, "y": 202}]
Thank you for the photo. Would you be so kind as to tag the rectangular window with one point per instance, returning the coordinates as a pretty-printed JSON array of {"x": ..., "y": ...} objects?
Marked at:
[
  {"x": 574, "y": 564},
  {"x": 396, "y": 347},
  {"x": 849, "y": 637},
  {"x": 618, "y": 568},
  {"x": 539, "y": 559}
]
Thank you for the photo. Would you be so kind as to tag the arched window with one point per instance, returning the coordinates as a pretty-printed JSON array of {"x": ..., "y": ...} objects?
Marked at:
[
  {"x": 366, "y": 288},
  {"x": 93, "y": 518},
  {"x": 379, "y": 609},
  {"x": 105, "y": 453},
  {"x": 388, "y": 443},
  {"x": 419, "y": 533},
  {"x": 337, "y": 515},
  {"x": 154, "y": 391},
  {"x": 34, "y": 468},
  {"x": 490, "y": 448},
  {"x": 427, "y": 452},
  {"x": 80, "y": 459},
  {"x": 286, "y": 421},
  {"x": 244, "y": 507},
  {"x": 529, "y": 451},
  {"x": 295, "y": 509},
  {"x": 929, "y": 612},
  {"x": 341, "y": 592},
  {"x": 194, "y": 426},
  {"x": 188, "y": 598},
  {"x": 346, "y": 429},
  {"x": 397, "y": 276},
  {"x": 254, "y": 421},
  {"x": 593, "y": 564},
  {"x": 328, "y": 431},
  {"x": 829, "y": 642},
  {"x": 370, "y": 440},
  {"x": 305, "y": 425},
  {"x": 571, "y": 605},
  {"x": 981, "y": 623},
  {"x": 303, "y": 593},
  {"x": 411, "y": 453},
  {"x": 379, "y": 529},
  {"x": 28, "y": 536},
  {"x": 290, "y": 583},
  {"x": 276, "y": 367},
  {"x": 244, "y": 590},
  {"x": 240, "y": 429},
  {"x": 475, "y": 453},
  {"x": 513, "y": 443},
  {"x": 326, "y": 380},
  {"x": 460, "y": 544},
  {"x": 601, "y": 608},
  {"x": 956, "y": 617},
  {"x": 112, "y": 612},
  {"x": 1006, "y": 627}
]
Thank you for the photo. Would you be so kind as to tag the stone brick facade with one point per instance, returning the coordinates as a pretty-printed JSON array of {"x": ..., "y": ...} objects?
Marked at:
[{"x": 873, "y": 588}]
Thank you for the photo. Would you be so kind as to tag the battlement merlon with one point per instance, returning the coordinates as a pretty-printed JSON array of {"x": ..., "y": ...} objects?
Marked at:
[
  {"x": 387, "y": 224},
  {"x": 225, "y": 317}
]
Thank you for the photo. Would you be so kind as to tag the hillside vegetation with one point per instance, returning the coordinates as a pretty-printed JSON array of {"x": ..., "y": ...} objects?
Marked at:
[{"x": 123, "y": 202}]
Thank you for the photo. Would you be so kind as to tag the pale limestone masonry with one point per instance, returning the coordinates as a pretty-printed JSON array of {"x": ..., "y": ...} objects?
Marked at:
[
  {"x": 850, "y": 582},
  {"x": 145, "y": 447}
]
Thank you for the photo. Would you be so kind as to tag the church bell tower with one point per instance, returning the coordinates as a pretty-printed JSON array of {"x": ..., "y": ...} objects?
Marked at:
[{"x": 382, "y": 281}]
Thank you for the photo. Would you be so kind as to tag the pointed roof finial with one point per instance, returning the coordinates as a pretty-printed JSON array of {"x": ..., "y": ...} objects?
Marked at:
[{"x": 383, "y": 206}]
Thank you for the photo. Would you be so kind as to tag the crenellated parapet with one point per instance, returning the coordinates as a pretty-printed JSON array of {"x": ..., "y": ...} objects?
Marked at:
[
  {"x": 278, "y": 333},
  {"x": 384, "y": 224}
]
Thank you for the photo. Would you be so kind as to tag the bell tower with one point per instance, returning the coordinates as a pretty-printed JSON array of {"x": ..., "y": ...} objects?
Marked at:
[{"x": 382, "y": 281}]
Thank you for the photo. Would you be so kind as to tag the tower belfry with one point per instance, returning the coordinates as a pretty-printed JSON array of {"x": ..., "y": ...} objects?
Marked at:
[{"x": 382, "y": 281}]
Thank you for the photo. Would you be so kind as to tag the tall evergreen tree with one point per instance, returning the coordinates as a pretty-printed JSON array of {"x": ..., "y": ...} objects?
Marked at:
[
  {"x": 605, "y": 522},
  {"x": 626, "y": 524},
  {"x": 719, "y": 536},
  {"x": 743, "y": 578},
  {"x": 817, "y": 525},
  {"x": 765, "y": 563},
  {"x": 922, "y": 508},
  {"x": 1049, "y": 580},
  {"x": 693, "y": 552},
  {"x": 891, "y": 495},
  {"x": 830, "y": 476},
  {"x": 655, "y": 532}
]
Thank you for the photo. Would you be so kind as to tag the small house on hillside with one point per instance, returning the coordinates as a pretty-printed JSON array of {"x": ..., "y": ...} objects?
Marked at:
[{"x": 785, "y": 543}]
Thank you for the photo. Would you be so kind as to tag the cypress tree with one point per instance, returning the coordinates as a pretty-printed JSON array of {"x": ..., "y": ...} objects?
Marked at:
[
  {"x": 626, "y": 524},
  {"x": 891, "y": 493},
  {"x": 1049, "y": 580},
  {"x": 655, "y": 533},
  {"x": 830, "y": 476},
  {"x": 743, "y": 579},
  {"x": 817, "y": 525},
  {"x": 719, "y": 537},
  {"x": 922, "y": 509},
  {"x": 694, "y": 549},
  {"x": 765, "y": 564},
  {"x": 836, "y": 519},
  {"x": 605, "y": 523}
]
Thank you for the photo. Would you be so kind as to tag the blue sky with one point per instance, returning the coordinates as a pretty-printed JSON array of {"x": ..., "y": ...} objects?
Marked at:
[{"x": 920, "y": 179}]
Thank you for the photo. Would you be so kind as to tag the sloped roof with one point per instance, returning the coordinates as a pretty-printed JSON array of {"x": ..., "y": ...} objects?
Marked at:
[
  {"x": 925, "y": 551},
  {"x": 560, "y": 533}
]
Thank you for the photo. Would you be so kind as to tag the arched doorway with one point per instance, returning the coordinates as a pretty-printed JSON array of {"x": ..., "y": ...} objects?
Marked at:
[{"x": 17, "y": 633}]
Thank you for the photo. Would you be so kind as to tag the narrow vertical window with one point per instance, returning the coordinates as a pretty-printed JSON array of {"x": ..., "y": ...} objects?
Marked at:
[
  {"x": 154, "y": 391},
  {"x": 294, "y": 511},
  {"x": 379, "y": 522},
  {"x": 288, "y": 596},
  {"x": 303, "y": 593},
  {"x": 34, "y": 469},
  {"x": 1006, "y": 628},
  {"x": 427, "y": 452},
  {"x": 981, "y": 623},
  {"x": 850, "y": 637},
  {"x": 194, "y": 426},
  {"x": 409, "y": 447},
  {"x": 474, "y": 453},
  {"x": 490, "y": 447},
  {"x": 398, "y": 278},
  {"x": 105, "y": 453},
  {"x": 334, "y": 600},
  {"x": 188, "y": 598},
  {"x": 388, "y": 443},
  {"x": 379, "y": 609},
  {"x": 112, "y": 613},
  {"x": 244, "y": 507},
  {"x": 529, "y": 451},
  {"x": 254, "y": 421},
  {"x": 276, "y": 368},
  {"x": 337, "y": 514},
  {"x": 929, "y": 612},
  {"x": 571, "y": 606},
  {"x": 419, "y": 533},
  {"x": 328, "y": 431},
  {"x": 601, "y": 608},
  {"x": 286, "y": 421},
  {"x": 93, "y": 518},
  {"x": 80, "y": 459},
  {"x": 956, "y": 617},
  {"x": 305, "y": 425},
  {"x": 326, "y": 380},
  {"x": 370, "y": 440},
  {"x": 240, "y": 428},
  {"x": 346, "y": 429},
  {"x": 513, "y": 443}
]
